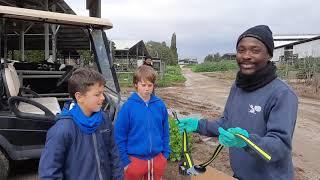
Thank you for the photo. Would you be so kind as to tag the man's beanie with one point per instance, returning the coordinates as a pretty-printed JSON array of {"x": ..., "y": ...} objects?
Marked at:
[{"x": 263, "y": 34}]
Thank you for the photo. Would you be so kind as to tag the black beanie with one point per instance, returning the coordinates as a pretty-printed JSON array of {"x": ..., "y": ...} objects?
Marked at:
[{"x": 262, "y": 33}]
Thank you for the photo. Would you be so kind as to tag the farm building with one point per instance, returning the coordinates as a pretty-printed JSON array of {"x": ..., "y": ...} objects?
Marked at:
[
  {"x": 229, "y": 56},
  {"x": 129, "y": 54},
  {"x": 290, "y": 47},
  {"x": 187, "y": 61}
]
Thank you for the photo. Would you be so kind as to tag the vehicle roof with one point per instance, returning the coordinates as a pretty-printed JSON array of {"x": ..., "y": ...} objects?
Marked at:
[{"x": 53, "y": 17}]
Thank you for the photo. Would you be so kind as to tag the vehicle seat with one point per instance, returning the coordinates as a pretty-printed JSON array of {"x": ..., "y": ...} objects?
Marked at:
[{"x": 12, "y": 86}]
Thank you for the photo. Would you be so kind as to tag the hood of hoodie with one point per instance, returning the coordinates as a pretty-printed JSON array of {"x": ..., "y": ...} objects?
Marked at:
[
  {"x": 86, "y": 124},
  {"x": 135, "y": 97}
]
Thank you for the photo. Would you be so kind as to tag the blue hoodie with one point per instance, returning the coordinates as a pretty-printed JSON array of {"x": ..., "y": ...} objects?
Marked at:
[{"x": 142, "y": 129}]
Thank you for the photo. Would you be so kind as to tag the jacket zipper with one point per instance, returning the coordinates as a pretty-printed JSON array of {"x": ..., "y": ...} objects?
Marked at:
[
  {"x": 94, "y": 137},
  {"x": 150, "y": 148}
]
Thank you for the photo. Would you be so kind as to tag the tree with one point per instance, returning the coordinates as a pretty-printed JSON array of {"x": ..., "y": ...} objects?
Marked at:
[
  {"x": 162, "y": 51},
  {"x": 208, "y": 58},
  {"x": 216, "y": 56},
  {"x": 213, "y": 58},
  {"x": 173, "y": 47}
]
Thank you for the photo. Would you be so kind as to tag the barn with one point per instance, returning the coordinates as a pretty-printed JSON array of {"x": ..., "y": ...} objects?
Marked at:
[{"x": 291, "y": 47}]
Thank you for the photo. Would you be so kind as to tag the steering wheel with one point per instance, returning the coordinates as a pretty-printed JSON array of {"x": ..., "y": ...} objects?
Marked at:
[{"x": 65, "y": 76}]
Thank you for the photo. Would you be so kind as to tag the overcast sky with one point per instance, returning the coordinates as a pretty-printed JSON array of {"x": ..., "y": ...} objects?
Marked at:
[{"x": 204, "y": 26}]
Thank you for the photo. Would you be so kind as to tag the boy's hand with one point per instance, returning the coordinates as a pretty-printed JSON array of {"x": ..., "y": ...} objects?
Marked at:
[
  {"x": 189, "y": 124},
  {"x": 228, "y": 138}
]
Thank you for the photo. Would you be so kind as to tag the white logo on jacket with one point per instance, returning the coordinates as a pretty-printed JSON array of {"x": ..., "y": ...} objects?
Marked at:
[{"x": 253, "y": 109}]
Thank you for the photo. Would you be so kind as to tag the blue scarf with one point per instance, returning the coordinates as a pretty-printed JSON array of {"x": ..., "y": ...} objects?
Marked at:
[{"x": 86, "y": 124}]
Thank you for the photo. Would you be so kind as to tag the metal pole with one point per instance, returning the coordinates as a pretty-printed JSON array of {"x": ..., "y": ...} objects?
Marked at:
[
  {"x": 1, "y": 35},
  {"x": 46, "y": 33},
  {"x": 98, "y": 9},
  {"x": 22, "y": 42},
  {"x": 5, "y": 43},
  {"x": 94, "y": 8},
  {"x": 54, "y": 37},
  {"x": 12, "y": 54}
]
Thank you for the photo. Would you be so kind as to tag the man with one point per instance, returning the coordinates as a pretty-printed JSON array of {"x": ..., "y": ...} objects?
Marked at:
[
  {"x": 261, "y": 107},
  {"x": 148, "y": 61}
]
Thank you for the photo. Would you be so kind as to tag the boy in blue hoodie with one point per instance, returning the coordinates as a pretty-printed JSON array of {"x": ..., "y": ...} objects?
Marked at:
[
  {"x": 80, "y": 145},
  {"x": 142, "y": 130}
]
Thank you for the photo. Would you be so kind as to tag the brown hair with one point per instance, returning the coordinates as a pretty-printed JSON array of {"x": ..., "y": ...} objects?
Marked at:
[
  {"x": 145, "y": 72},
  {"x": 81, "y": 79}
]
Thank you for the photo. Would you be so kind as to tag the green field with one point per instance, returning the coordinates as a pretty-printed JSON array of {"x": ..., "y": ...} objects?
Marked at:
[
  {"x": 226, "y": 65},
  {"x": 172, "y": 76}
]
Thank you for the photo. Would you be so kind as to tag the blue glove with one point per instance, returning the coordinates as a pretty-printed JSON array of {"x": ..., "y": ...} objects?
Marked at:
[
  {"x": 189, "y": 124},
  {"x": 228, "y": 138}
]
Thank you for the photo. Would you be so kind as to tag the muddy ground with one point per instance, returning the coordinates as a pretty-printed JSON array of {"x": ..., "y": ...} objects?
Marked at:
[{"x": 205, "y": 94}]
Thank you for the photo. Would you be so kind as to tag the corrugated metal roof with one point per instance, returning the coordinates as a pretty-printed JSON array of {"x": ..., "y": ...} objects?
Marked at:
[
  {"x": 286, "y": 39},
  {"x": 281, "y": 43},
  {"x": 299, "y": 42},
  {"x": 125, "y": 44},
  {"x": 294, "y": 36}
]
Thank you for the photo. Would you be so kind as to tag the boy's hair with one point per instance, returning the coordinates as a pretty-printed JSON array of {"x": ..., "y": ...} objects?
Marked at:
[
  {"x": 145, "y": 72},
  {"x": 81, "y": 79}
]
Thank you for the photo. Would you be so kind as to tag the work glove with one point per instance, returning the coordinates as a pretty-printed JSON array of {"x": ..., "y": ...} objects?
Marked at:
[
  {"x": 228, "y": 138},
  {"x": 189, "y": 124}
]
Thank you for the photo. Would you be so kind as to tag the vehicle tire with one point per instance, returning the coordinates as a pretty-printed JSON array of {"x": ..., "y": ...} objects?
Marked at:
[{"x": 4, "y": 166}]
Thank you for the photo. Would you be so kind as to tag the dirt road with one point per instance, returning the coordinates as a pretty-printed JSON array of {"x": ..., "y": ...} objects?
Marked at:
[{"x": 206, "y": 95}]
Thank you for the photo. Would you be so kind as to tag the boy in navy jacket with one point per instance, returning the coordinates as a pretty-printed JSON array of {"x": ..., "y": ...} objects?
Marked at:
[
  {"x": 142, "y": 130},
  {"x": 81, "y": 145}
]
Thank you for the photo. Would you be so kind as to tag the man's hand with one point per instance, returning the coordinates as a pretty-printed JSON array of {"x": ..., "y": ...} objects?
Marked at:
[
  {"x": 189, "y": 124},
  {"x": 228, "y": 138}
]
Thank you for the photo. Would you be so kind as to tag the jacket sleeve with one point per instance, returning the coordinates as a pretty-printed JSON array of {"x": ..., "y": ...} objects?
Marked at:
[
  {"x": 280, "y": 126},
  {"x": 121, "y": 134},
  {"x": 117, "y": 169},
  {"x": 166, "y": 136},
  {"x": 53, "y": 156},
  {"x": 210, "y": 127}
]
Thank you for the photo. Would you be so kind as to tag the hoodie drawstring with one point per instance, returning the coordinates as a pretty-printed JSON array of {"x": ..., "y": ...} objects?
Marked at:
[{"x": 150, "y": 169}]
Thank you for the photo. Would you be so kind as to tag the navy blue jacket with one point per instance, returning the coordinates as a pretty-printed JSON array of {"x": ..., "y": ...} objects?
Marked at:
[
  {"x": 269, "y": 115},
  {"x": 142, "y": 129},
  {"x": 73, "y": 155}
]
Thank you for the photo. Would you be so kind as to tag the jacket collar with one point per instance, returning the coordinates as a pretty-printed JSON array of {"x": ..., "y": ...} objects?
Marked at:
[{"x": 135, "y": 97}]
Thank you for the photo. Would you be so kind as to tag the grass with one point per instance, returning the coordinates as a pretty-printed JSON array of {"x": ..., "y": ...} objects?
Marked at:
[
  {"x": 215, "y": 66},
  {"x": 125, "y": 79},
  {"x": 172, "y": 76}
]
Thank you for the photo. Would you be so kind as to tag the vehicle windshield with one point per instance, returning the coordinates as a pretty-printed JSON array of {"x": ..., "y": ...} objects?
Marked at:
[{"x": 103, "y": 59}]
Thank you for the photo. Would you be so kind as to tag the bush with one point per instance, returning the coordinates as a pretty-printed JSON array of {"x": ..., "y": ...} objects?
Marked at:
[
  {"x": 176, "y": 141},
  {"x": 125, "y": 79},
  {"x": 171, "y": 77},
  {"x": 215, "y": 66}
]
